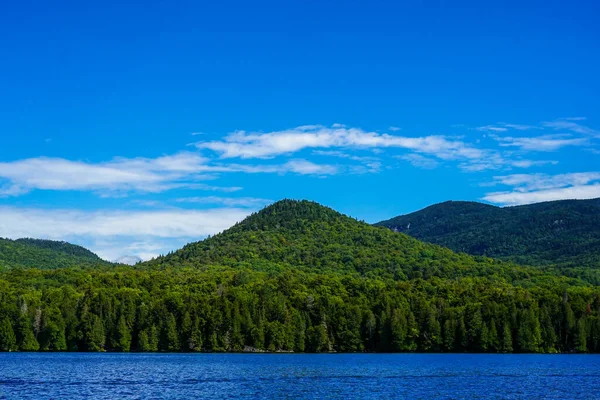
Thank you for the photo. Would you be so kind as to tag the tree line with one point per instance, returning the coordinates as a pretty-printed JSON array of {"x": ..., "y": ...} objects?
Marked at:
[{"x": 216, "y": 309}]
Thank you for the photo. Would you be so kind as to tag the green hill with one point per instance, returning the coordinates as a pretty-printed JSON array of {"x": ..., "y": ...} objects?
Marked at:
[
  {"x": 45, "y": 254},
  {"x": 305, "y": 234},
  {"x": 564, "y": 233}
]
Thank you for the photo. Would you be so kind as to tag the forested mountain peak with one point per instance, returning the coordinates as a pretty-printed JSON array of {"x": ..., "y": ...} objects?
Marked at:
[
  {"x": 307, "y": 235},
  {"x": 466, "y": 209},
  {"x": 60, "y": 246},
  {"x": 45, "y": 254},
  {"x": 564, "y": 233},
  {"x": 290, "y": 214}
]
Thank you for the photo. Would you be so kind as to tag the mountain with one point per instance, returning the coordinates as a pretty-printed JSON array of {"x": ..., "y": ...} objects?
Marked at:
[
  {"x": 563, "y": 233},
  {"x": 45, "y": 254},
  {"x": 308, "y": 235}
]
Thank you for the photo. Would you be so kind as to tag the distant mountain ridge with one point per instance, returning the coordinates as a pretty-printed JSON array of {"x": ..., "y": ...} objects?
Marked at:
[
  {"x": 563, "y": 233},
  {"x": 45, "y": 254}
]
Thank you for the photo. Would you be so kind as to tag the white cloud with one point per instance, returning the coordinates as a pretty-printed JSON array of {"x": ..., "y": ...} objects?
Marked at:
[
  {"x": 227, "y": 201},
  {"x": 531, "y": 163},
  {"x": 243, "y": 144},
  {"x": 569, "y": 124},
  {"x": 492, "y": 160},
  {"x": 120, "y": 174},
  {"x": 305, "y": 167},
  {"x": 420, "y": 161},
  {"x": 54, "y": 224},
  {"x": 123, "y": 175},
  {"x": 529, "y": 182},
  {"x": 123, "y": 232},
  {"x": 518, "y": 198},
  {"x": 297, "y": 166},
  {"x": 520, "y": 127},
  {"x": 491, "y": 128},
  {"x": 532, "y": 188},
  {"x": 341, "y": 154},
  {"x": 540, "y": 143}
]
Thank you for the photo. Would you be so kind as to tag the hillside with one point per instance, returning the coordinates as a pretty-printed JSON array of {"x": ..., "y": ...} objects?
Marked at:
[
  {"x": 45, "y": 254},
  {"x": 563, "y": 233},
  {"x": 306, "y": 234}
]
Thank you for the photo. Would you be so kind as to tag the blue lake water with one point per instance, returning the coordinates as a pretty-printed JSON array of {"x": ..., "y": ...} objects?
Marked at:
[{"x": 342, "y": 376}]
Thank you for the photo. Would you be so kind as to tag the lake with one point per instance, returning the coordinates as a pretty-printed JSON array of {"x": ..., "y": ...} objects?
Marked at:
[{"x": 341, "y": 376}]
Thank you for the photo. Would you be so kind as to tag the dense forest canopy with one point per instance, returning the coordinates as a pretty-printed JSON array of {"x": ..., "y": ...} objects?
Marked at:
[
  {"x": 45, "y": 254},
  {"x": 298, "y": 276},
  {"x": 233, "y": 309},
  {"x": 560, "y": 233}
]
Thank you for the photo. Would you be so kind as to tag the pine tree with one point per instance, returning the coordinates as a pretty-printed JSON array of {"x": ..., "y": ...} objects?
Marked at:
[
  {"x": 493, "y": 340},
  {"x": 581, "y": 336},
  {"x": 25, "y": 336},
  {"x": 412, "y": 332},
  {"x": 318, "y": 340},
  {"x": 449, "y": 334},
  {"x": 474, "y": 330},
  {"x": 568, "y": 326},
  {"x": 529, "y": 334},
  {"x": 398, "y": 327},
  {"x": 369, "y": 330},
  {"x": 549, "y": 338},
  {"x": 53, "y": 332},
  {"x": 148, "y": 339},
  {"x": 507, "y": 340},
  {"x": 93, "y": 333},
  {"x": 186, "y": 331},
  {"x": 123, "y": 335},
  {"x": 299, "y": 331},
  {"x": 8, "y": 340},
  {"x": 462, "y": 337},
  {"x": 484, "y": 338},
  {"x": 170, "y": 335},
  {"x": 432, "y": 334},
  {"x": 194, "y": 341}
]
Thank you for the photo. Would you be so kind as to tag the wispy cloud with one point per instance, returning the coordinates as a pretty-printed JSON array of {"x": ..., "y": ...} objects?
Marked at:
[
  {"x": 540, "y": 143},
  {"x": 227, "y": 201},
  {"x": 120, "y": 174},
  {"x": 568, "y": 193},
  {"x": 520, "y": 127},
  {"x": 492, "y": 160},
  {"x": 147, "y": 175},
  {"x": 504, "y": 127},
  {"x": 420, "y": 161},
  {"x": 532, "y": 163},
  {"x": 491, "y": 128},
  {"x": 297, "y": 166},
  {"x": 572, "y": 125},
  {"x": 341, "y": 154},
  {"x": 245, "y": 145},
  {"x": 533, "y": 188}
]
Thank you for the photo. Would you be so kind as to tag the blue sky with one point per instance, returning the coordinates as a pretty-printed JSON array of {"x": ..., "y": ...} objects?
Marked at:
[{"x": 135, "y": 128}]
